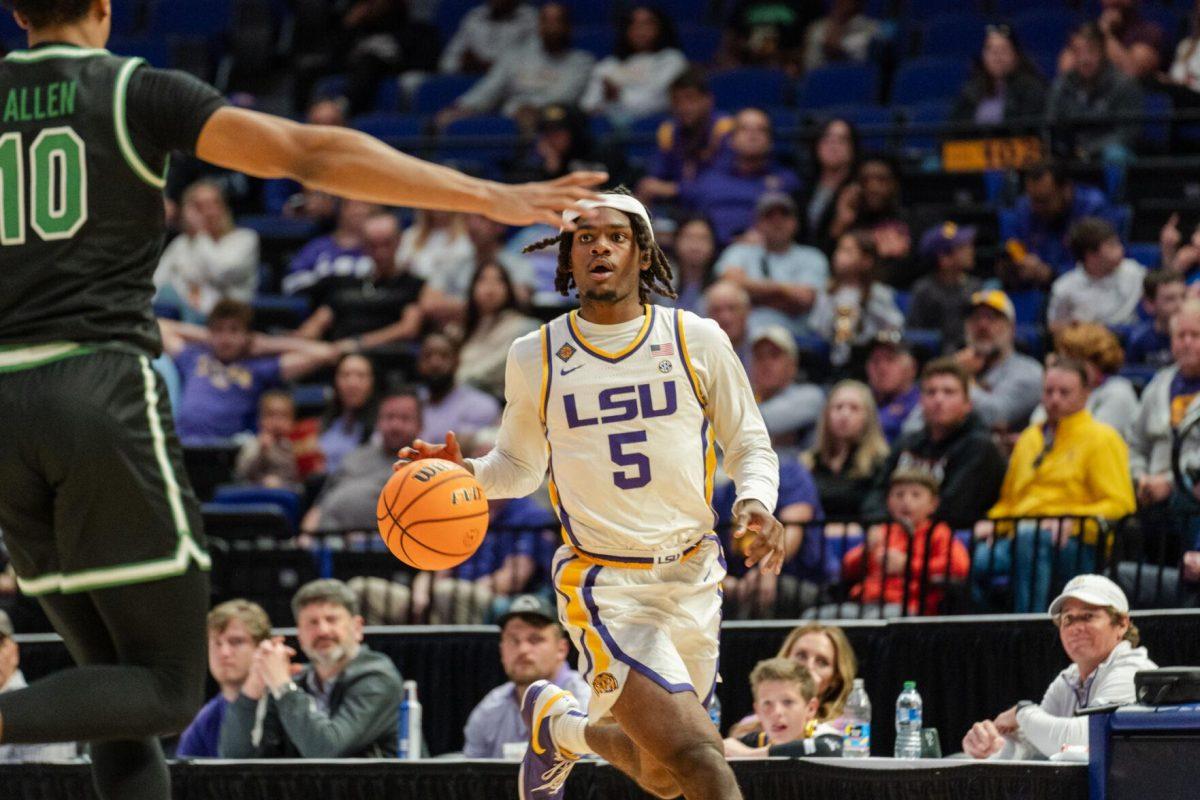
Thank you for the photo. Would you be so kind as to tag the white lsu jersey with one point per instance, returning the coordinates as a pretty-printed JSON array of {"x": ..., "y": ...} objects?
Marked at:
[
  {"x": 631, "y": 455},
  {"x": 627, "y": 436}
]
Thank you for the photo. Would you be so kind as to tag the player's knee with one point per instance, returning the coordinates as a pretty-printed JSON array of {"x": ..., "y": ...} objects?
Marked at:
[
  {"x": 659, "y": 783},
  {"x": 698, "y": 758},
  {"x": 182, "y": 695}
]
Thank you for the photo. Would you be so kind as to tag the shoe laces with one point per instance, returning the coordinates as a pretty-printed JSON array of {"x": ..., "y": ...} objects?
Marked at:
[{"x": 556, "y": 777}]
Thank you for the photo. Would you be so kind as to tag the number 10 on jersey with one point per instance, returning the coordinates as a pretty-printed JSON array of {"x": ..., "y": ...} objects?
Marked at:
[{"x": 57, "y": 205}]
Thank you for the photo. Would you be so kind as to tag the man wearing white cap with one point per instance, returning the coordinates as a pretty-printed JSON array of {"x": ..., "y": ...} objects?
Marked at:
[
  {"x": 1092, "y": 617},
  {"x": 623, "y": 401}
]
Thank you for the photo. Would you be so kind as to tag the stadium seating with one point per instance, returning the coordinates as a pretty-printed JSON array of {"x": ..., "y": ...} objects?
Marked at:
[
  {"x": 927, "y": 79},
  {"x": 957, "y": 35},
  {"x": 749, "y": 86},
  {"x": 838, "y": 85},
  {"x": 285, "y": 500},
  {"x": 438, "y": 91}
]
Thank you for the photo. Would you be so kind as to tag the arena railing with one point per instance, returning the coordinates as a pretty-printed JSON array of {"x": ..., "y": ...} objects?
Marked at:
[{"x": 1007, "y": 565}]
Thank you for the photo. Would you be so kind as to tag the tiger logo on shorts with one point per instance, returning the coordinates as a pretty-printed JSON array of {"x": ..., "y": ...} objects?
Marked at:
[{"x": 604, "y": 683}]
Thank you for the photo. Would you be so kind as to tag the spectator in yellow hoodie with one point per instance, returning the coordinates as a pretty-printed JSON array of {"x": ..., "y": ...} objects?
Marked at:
[{"x": 1068, "y": 466}]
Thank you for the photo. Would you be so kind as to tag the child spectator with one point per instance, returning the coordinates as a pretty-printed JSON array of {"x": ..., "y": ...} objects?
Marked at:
[
  {"x": 940, "y": 301},
  {"x": 785, "y": 702},
  {"x": 269, "y": 460},
  {"x": 1150, "y": 341},
  {"x": 910, "y": 546},
  {"x": 225, "y": 369},
  {"x": 1104, "y": 287},
  {"x": 856, "y": 307}
]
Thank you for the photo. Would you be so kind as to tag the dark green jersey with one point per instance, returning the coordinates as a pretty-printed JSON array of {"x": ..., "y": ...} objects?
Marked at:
[{"x": 84, "y": 147}]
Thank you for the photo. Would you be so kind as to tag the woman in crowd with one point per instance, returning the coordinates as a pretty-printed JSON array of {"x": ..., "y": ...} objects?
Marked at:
[
  {"x": 438, "y": 249},
  {"x": 1005, "y": 84},
  {"x": 1111, "y": 398},
  {"x": 350, "y": 419},
  {"x": 857, "y": 306},
  {"x": 211, "y": 259},
  {"x": 834, "y": 153},
  {"x": 493, "y": 322},
  {"x": 695, "y": 251},
  {"x": 1092, "y": 617},
  {"x": 634, "y": 82},
  {"x": 826, "y": 652},
  {"x": 849, "y": 451},
  {"x": 872, "y": 202}
]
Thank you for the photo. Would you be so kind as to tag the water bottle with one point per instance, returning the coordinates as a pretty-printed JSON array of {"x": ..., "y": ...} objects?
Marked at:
[
  {"x": 714, "y": 711},
  {"x": 856, "y": 737},
  {"x": 410, "y": 723},
  {"x": 908, "y": 722}
]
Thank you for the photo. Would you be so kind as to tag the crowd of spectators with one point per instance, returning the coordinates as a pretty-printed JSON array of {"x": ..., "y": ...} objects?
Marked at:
[{"x": 879, "y": 338}]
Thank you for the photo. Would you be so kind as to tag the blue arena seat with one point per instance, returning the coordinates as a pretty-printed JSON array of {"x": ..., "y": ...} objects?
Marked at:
[
  {"x": 285, "y": 500},
  {"x": 838, "y": 85},
  {"x": 459, "y": 142},
  {"x": 274, "y": 311},
  {"x": 156, "y": 50},
  {"x": 699, "y": 42},
  {"x": 438, "y": 91},
  {"x": 1029, "y": 305},
  {"x": 389, "y": 125},
  {"x": 926, "y": 9},
  {"x": 641, "y": 143},
  {"x": 924, "y": 117},
  {"x": 270, "y": 226},
  {"x": 1138, "y": 374},
  {"x": 749, "y": 86},
  {"x": 1045, "y": 29},
  {"x": 957, "y": 35},
  {"x": 929, "y": 78},
  {"x": 311, "y": 399},
  {"x": 1148, "y": 254},
  {"x": 207, "y": 19},
  {"x": 450, "y": 14},
  {"x": 599, "y": 40}
]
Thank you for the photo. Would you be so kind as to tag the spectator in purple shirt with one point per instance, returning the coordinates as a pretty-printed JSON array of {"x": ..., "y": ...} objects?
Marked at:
[
  {"x": 235, "y": 629},
  {"x": 892, "y": 376},
  {"x": 341, "y": 254},
  {"x": 727, "y": 191},
  {"x": 225, "y": 369},
  {"x": 1034, "y": 231},
  {"x": 449, "y": 405},
  {"x": 692, "y": 139}
]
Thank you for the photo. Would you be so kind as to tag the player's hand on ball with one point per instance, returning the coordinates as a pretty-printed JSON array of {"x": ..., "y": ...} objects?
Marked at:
[
  {"x": 450, "y": 451},
  {"x": 769, "y": 540}
]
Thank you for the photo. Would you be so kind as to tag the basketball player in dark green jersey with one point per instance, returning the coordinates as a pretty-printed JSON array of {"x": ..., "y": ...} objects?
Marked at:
[{"x": 95, "y": 508}]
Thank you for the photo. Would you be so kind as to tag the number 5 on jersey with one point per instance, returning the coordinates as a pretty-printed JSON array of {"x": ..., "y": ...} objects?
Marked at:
[{"x": 57, "y": 185}]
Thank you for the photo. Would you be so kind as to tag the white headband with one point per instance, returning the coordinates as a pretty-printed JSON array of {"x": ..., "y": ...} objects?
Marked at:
[{"x": 621, "y": 202}]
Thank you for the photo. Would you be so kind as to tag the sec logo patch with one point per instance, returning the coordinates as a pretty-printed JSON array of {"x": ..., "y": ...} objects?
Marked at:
[{"x": 664, "y": 366}]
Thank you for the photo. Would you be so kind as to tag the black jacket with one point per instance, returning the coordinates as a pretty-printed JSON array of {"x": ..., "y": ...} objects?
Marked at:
[
  {"x": 967, "y": 462},
  {"x": 1024, "y": 97},
  {"x": 364, "y": 709}
]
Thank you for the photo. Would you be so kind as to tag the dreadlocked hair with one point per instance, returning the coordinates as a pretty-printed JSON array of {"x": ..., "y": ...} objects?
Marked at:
[{"x": 656, "y": 279}]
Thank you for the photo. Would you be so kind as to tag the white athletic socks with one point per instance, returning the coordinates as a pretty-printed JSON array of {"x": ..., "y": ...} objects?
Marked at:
[{"x": 568, "y": 731}]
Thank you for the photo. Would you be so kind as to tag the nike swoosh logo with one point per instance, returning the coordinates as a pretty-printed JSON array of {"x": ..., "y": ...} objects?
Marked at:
[{"x": 568, "y": 371}]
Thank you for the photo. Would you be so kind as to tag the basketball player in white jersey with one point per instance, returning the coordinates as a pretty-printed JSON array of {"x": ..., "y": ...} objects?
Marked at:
[{"x": 621, "y": 401}]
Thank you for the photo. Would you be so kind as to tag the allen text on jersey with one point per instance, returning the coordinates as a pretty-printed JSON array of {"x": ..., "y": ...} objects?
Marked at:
[{"x": 28, "y": 103}]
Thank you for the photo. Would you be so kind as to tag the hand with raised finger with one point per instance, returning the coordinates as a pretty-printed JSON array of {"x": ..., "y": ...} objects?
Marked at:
[
  {"x": 450, "y": 451},
  {"x": 767, "y": 547}
]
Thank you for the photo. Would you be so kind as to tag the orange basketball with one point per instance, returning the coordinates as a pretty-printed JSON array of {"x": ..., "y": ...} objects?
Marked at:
[{"x": 432, "y": 514}]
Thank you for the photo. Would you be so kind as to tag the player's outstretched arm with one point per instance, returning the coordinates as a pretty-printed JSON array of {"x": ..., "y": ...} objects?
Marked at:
[
  {"x": 450, "y": 451},
  {"x": 352, "y": 164}
]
